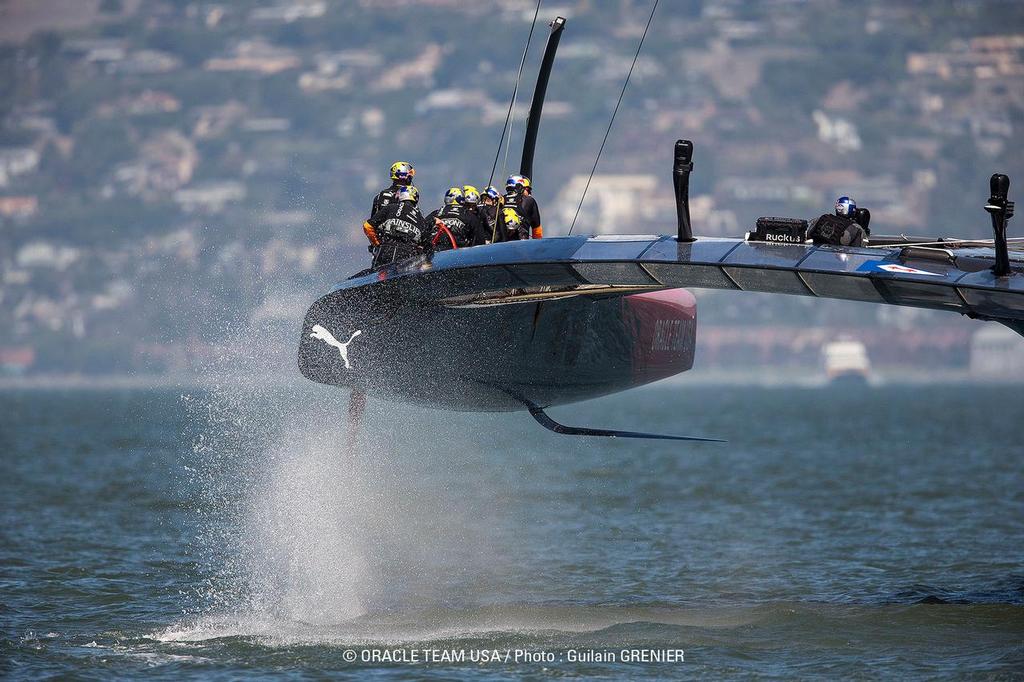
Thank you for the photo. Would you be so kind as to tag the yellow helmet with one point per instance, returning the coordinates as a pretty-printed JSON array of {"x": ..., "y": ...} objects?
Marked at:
[
  {"x": 409, "y": 193},
  {"x": 470, "y": 194},
  {"x": 511, "y": 219},
  {"x": 453, "y": 196},
  {"x": 402, "y": 171}
]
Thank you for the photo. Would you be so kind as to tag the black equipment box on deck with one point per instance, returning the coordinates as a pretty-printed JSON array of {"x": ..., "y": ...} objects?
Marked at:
[{"x": 779, "y": 230}]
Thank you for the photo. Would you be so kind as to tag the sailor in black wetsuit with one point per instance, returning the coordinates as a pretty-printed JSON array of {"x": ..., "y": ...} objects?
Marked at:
[
  {"x": 452, "y": 195},
  {"x": 398, "y": 230},
  {"x": 489, "y": 212},
  {"x": 842, "y": 228},
  {"x": 476, "y": 233},
  {"x": 509, "y": 223},
  {"x": 517, "y": 198},
  {"x": 447, "y": 220},
  {"x": 402, "y": 174}
]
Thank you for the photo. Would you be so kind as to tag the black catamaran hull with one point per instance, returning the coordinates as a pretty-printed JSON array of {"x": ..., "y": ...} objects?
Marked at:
[
  {"x": 498, "y": 357},
  {"x": 552, "y": 321}
]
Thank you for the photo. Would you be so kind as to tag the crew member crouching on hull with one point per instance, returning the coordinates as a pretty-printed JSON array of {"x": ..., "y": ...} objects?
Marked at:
[
  {"x": 398, "y": 231},
  {"x": 518, "y": 199},
  {"x": 844, "y": 227}
]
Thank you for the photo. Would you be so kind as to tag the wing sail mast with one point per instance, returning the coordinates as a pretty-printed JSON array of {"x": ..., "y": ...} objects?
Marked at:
[{"x": 539, "y": 91}]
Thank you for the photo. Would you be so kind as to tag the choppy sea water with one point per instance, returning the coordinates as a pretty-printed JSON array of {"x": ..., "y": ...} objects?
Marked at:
[{"x": 237, "y": 532}]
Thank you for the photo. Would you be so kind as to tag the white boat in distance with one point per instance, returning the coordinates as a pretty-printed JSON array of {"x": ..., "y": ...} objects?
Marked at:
[{"x": 846, "y": 360}]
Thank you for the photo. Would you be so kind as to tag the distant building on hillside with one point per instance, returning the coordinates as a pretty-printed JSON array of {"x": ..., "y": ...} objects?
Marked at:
[
  {"x": 766, "y": 189},
  {"x": 18, "y": 208},
  {"x": 336, "y": 70},
  {"x": 144, "y": 62},
  {"x": 266, "y": 124},
  {"x": 982, "y": 57},
  {"x": 289, "y": 12},
  {"x": 16, "y": 161},
  {"x": 166, "y": 162},
  {"x": 16, "y": 360},
  {"x": 453, "y": 98},
  {"x": 836, "y": 131},
  {"x": 418, "y": 69},
  {"x": 256, "y": 55},
  {"x": 98, "y": 50},
  {"x": 46, "y": 255},
  {"x": 997, "y": 353},
  {"x": 210, "y": 197},
  {"x": 144, "y": 103},
  {"x": 328, "y": 63},
  {"x": 613, "y": 202},
  {"x": 631, "y": 204},
  {"x": 312, "y": 81},
  {"x": 216, "y": 119}
]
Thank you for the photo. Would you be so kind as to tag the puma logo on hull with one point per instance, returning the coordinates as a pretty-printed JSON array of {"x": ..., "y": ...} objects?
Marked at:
[{"x": 328, "y": 338}]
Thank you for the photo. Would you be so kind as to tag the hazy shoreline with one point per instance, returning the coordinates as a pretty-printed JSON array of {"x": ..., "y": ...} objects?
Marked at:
[{"x": 796, "y": 377}]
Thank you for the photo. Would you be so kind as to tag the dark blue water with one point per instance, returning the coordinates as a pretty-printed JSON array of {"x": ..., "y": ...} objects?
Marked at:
[{"x": 233, "y": 533}]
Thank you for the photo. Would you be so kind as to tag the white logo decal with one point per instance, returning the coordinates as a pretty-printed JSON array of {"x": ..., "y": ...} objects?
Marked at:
[
  {"x": 328, "y": 338},
  {"x": 892, "y": 267}
]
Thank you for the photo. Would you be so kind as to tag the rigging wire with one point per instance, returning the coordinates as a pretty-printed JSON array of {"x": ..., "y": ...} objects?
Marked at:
[
  {"x": 950, "y": 242},
  {"x": 508, "y": 145},
  {"x": 615, "y": 111},
  {"x": 511, "y": 105}
]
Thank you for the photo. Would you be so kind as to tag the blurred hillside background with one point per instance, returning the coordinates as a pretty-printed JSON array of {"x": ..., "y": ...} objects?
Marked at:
[{"x": 169, "y": 168}]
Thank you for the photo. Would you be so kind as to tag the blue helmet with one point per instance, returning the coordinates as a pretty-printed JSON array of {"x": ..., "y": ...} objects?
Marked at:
[
  {"x": 517, "y": 182},
  {"x": 846, "y": 207}
]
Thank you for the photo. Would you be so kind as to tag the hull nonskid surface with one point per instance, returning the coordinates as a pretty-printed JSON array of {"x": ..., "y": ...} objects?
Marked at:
[{"x": 947, "y": 277}]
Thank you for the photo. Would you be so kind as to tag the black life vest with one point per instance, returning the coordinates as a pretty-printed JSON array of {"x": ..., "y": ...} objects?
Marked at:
[
  {"x": 836, "y": 231},
  {"x": 514, "y": 200},
  {"x": 489, "y": 214},
  {"x": 385, "y": 197},
  {"x": 404, "y": 223},
  {"x": 451, "y": 216}
]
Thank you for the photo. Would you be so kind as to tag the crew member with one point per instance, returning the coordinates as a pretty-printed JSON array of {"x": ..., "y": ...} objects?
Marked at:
[
  {"x": 476, "y": 232},
  {"x": 448, "y": 220},
  {"x": 402, "y": 174},
  {"x": 452, "y": 196},
  {"x": 398, "y": 230},
  {"x": 489, "y": 211},
  {"x": 511, "y": 223},
  {"x": 839, "y": 229},
  {"x": 846, "y": 207},
  {"x": 535, "y": 217},
  {"x": 517, "y": 198}
]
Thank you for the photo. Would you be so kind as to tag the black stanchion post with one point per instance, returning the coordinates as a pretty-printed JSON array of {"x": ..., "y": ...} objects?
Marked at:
[
  {"x": 681, "y": 182},
  {"x": 1001, "y": 211}
]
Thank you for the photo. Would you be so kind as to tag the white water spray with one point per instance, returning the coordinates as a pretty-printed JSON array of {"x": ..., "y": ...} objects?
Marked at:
[{"x": 304, "y": 538}]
